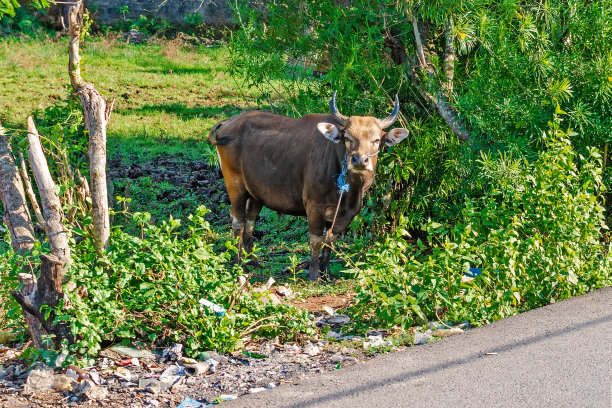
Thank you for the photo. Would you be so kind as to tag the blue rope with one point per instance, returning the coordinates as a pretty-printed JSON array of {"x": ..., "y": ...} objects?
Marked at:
[{"x": 343, "y": 185}]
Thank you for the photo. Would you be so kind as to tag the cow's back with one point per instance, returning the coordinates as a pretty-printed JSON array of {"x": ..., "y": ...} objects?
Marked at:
[{"x": 278, "y": 159}]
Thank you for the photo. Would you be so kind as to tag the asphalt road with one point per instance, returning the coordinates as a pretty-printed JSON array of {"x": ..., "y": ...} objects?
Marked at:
[{"x": 556, "y": 356}]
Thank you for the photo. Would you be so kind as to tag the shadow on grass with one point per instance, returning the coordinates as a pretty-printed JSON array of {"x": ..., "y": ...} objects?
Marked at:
[
  {"x": 174, "y": 69},
  {"x": 185, "y": 112}
]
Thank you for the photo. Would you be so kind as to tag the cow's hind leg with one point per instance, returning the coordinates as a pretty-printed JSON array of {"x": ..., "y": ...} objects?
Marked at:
[
  {"x": 253, "y": 207},
  {"x": 238, "y": 198}
]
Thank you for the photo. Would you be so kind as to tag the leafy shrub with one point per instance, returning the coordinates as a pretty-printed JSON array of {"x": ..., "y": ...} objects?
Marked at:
[
  {"x": 537, "y": 240},
  {"x": 148, "y": 288},
  {"x": 514, "y": 61}
]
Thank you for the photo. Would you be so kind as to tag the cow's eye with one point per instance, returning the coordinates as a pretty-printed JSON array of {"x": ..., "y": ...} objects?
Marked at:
[{"x": 377, "y": 141}]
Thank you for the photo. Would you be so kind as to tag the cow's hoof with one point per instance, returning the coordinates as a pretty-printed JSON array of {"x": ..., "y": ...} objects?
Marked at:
[{"x": 313, "y": 275}]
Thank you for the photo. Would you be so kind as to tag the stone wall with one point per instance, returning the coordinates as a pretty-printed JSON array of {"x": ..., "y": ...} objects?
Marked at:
[{"x": 214, "y": 12}]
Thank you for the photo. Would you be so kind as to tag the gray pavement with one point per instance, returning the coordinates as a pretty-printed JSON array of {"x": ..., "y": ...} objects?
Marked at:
[{"x": 556, "y": 356}]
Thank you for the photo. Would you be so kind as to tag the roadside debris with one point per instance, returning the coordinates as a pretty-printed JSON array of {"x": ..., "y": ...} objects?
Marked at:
[
  {"x": 446, "y": 332},
  {"x": 173, "y": 353},
  {"x": 422, "y": 338}
]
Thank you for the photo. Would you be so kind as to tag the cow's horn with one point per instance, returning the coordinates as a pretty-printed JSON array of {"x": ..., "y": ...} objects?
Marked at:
[
  {"x": 340, "y": 118},
  {"x": 388, "y": 121}
]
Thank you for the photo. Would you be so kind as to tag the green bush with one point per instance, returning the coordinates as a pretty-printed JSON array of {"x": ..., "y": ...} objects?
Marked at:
[
  {"x": 535, "y": 234},
  {"x": 514, "y": 62},
  {"x": 148, "y": 288}
]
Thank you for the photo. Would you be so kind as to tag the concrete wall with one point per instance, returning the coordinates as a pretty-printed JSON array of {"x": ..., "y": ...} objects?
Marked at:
[{"x": 215, "y": 12}]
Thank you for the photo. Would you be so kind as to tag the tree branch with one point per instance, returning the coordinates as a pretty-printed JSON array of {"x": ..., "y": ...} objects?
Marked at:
[
  {"x": 96, "y": 112},
  {"x": 30, "y": 192},
  {"x": 439, "y": 101},
  {"x": 51, "y": 205},
  {"x": 449, "y": 59}
]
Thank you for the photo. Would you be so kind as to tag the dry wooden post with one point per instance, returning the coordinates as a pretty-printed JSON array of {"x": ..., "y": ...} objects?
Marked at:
[
  {"x": 96, "y": 112},
  {"x": 16, "y": 214},
  {"x": 48, "y": 290},
  {"x": 18, "y": 221},
  {"x": 30, "y": 191}
]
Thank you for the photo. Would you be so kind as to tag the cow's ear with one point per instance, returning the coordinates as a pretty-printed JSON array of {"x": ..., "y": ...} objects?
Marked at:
[
  {"x": 394, "y": 136},
  {"x": 330, "y": 131}
]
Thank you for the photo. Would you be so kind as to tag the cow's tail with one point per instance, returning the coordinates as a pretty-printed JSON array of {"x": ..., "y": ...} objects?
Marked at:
[{"x": 212, "y": 136}]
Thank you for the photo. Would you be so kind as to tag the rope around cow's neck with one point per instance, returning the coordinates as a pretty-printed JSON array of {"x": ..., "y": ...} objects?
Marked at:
[{"x": 343, "y": 187}]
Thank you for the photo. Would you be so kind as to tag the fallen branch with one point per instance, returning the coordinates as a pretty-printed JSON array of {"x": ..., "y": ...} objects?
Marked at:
[{"x": 30, "y": 191}]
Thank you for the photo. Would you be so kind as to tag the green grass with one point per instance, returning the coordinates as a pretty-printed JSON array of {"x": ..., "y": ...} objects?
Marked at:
[{"x": 167, "y": 95}]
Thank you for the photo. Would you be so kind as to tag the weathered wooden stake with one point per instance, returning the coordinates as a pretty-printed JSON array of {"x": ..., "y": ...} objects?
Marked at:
[{"x": 47, "y": 291}]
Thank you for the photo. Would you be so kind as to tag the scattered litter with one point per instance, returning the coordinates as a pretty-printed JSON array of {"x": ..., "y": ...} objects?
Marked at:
[
  {"x": 339, "y": 319},
  {"x": 329, "y": 310},
  {"x": 135, "y": 37},
  {"x": 446, "y": 332},
  {"x": 171, "y": 376},
  {"x": 123, "y": 373},
  {"x": 218, "y": 310},
  {"x": 133, "y": 352},
  {"x": 491, "y": 354},
  {"x": 336, "y": 358},
  {"x": 422, "y": 338},
  {"x": 292, "y": 348},
  {"x": 256, "y": 390},
  {"x": 61, "y": 358},
  {"x": 333, "y": 335},
  {"x": 195, "y": 369},
  {"x": 212, "y": 365},
  {"x": 242, "y": 281},
  {"x": 95, "y": 377},
  {"x": 254, "y": 355},
  {"x": 338, "y": 366},
  {"x": 39, "y": 379},
  {"x": 173, "y": 353},
  {"x": 376, "y": 341},
  {"x": 435, "y": 325},
  {"x": 90, "y": 390},
  {"x": 190, "y": 403},
  {"x": 284, "y": 291},
  {"x": 269, "y": 283},
  {"x": 312, "y": 349},
  {"x": 63, "y": 383},
  {"x": 130, "y": 362}
]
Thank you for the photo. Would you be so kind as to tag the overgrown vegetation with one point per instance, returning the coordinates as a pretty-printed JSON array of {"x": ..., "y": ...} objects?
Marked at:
[
  {"x": 523, "y": 201},
  {"x": 535, "y": 236},
  {"x": 525, "y": 205}
]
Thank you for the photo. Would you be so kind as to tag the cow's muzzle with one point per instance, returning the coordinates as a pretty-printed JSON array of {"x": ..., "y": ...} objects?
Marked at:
[{"x": 360, "y": 163}]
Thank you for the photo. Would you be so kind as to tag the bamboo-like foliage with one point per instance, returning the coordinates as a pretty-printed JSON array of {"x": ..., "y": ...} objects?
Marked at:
[{"x": 504, "y": 70}]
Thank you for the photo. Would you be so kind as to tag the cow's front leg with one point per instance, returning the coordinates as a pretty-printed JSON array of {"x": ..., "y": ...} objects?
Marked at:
[
  {"x": 326, "y": 255},
  {"x": 316, "y": 223}
]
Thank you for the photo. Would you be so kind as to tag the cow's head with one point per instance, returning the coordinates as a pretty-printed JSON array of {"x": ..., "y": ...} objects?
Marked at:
[{"x": 363, "y": 136}]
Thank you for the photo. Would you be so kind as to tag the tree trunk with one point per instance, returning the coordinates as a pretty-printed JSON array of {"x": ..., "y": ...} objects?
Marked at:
[
  {"x": 47, "y": 291},
  {"x": 51, "y": 205},
  {"x": 18, "y": 221},
  {"x": 96, "y": 112},
  {"x": 437, "y": 95},
  {"x": 16, "y": 214}
]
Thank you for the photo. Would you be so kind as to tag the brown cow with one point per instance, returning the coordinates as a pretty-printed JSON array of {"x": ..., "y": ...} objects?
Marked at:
[{"x": 295, "y": 166}]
